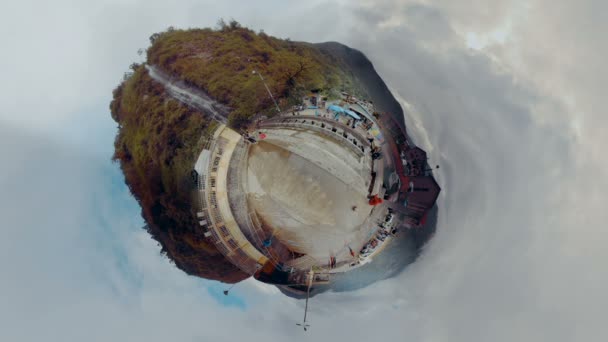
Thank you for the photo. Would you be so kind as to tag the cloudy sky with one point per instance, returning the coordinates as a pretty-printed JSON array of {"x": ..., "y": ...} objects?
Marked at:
[{"x": 507, "y": 96}]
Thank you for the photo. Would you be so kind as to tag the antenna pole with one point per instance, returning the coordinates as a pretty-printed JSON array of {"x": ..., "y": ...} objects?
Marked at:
[
  {"x": 268, "y": 90},
  {"x": 304, "y": 325}
]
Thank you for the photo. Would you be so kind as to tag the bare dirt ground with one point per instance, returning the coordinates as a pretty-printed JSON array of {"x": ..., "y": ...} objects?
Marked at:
[{"x": 310, "y": 207}]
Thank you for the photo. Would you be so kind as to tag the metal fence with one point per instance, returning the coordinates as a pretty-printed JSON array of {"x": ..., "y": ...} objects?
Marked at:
[{"x": 353, "y": 139}]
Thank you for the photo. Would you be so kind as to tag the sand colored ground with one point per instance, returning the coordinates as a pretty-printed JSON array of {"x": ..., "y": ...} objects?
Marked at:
[{"x": 309, "y": 204}]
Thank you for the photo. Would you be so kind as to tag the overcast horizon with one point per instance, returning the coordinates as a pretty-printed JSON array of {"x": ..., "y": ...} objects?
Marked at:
[{"x": 506, "y": 97}]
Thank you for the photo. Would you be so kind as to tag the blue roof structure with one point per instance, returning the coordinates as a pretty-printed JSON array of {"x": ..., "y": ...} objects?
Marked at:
[
  {"x": 341, "y": 110},
  {"x": 353, "y": 114},
  {"x": 336, "y": 108}
]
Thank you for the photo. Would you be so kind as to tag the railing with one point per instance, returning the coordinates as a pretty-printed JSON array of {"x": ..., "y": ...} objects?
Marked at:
[
  {"x": 303, "y": 262},
  {"x": 256, "y": 230},
  {"x": 209, "y": 209},
  {"x": 356, "y": 141},
  {"x": 253, "y": 230}
]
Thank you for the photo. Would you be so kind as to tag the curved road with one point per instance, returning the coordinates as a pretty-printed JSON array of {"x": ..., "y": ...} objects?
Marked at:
[{"x": 189, "y": 95}]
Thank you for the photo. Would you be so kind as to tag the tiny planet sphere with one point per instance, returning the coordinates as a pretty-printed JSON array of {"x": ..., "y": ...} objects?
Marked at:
[{"x": 288, "y": 162}]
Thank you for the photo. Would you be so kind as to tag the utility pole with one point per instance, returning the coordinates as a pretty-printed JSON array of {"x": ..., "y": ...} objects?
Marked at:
[
  {"x": 268, "y": 90},
  {"x": 310, "y": 277}
]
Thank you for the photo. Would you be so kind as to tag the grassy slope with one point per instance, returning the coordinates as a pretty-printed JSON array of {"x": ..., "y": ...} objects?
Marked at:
[
  {"x": 221, "y": 63},
  {"x": 157, "y": 143}
]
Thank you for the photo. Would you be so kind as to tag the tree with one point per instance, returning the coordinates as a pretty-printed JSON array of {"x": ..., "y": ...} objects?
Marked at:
[
  {"x": 221, "y": 24},
  {"x": 234, "y": 24},
  {"x": 154, "y": 37}
]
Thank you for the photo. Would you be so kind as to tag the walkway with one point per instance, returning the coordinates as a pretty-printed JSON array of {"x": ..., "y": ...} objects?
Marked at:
[{"x": 216, "y": 214}]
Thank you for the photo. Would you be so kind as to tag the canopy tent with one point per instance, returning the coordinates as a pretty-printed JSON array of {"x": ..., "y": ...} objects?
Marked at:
[
  {"x": 336, "y": 108},
  {"x": 340, "y": 110},
  {"x": 353, "y": 114}
]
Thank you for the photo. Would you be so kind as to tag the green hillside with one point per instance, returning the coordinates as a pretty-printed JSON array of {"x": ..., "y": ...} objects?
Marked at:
[{"x": 159, "y": 139}]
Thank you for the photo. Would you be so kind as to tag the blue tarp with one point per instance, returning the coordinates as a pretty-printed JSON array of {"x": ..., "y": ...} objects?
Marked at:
[
  {"x": 341, "y": 110},
  {"x": 335, "y": 108}
]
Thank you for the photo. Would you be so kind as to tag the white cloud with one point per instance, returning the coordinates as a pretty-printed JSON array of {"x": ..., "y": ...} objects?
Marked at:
[{"x": 516, "y": 125}]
